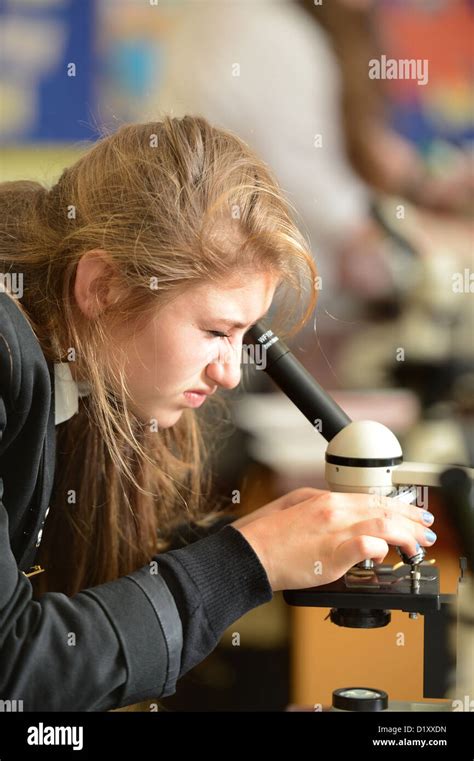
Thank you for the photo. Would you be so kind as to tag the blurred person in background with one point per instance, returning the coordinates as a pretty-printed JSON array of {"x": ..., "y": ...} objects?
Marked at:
[
  {"x": 300, "y": 94},
  {"x": 361, "y": 31}
]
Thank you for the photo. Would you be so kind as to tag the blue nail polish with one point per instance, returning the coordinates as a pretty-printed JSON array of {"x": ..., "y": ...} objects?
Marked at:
[
  {"x": 418, "y": 547},
  {"x": 428, "y": 517},
  {"x": 430, "y": 535}
]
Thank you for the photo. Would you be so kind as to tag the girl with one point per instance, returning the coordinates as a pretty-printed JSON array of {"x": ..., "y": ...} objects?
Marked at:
[{"x": 138, "y": 275}]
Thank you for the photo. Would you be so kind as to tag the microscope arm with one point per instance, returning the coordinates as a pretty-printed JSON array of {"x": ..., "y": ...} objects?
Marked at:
[{"x": 421, "y": 474}]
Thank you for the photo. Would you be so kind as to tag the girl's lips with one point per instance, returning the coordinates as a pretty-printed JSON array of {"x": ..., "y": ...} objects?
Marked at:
[{"x": 195, "y": 399}]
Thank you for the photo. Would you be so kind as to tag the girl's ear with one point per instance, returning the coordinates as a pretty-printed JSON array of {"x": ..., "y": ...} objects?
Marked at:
[{"x": 92, "y": 289}]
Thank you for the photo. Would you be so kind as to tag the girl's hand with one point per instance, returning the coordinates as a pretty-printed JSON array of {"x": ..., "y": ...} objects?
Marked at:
[
  {"x": 318, "y": 539},
  {"x": 287, "y": 500}
]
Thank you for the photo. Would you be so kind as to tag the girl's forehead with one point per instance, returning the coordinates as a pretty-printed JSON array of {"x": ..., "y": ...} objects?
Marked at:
[{"x": 236, "y": 297}]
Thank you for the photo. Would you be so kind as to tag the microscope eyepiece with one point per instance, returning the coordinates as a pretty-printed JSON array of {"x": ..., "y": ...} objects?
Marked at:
[{"x": 297, "y": 383}]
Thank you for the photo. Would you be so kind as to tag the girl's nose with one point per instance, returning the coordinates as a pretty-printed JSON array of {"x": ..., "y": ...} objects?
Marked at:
[{"x": 225, "y": 369}]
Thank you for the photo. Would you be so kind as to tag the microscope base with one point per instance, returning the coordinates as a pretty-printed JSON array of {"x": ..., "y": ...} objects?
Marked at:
[{"x": 385, "y": 588}]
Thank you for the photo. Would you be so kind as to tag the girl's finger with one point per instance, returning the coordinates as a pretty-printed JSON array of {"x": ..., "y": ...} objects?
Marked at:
[
  {"x": 394, "y": 533},
  {"x": 356, "y": 549}
]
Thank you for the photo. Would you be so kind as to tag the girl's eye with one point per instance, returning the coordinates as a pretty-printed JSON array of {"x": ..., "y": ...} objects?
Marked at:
[{"x": 218, "y": 333}]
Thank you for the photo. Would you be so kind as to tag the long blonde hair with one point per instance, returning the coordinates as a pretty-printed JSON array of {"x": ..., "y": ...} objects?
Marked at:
[{"x": 177, "y": 202}]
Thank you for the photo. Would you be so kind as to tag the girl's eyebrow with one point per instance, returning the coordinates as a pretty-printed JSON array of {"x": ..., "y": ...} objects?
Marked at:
[{"x": 233, "y": 324}]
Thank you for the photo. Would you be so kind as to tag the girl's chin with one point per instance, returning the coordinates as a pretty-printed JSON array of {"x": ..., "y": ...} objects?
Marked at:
[
  {"x": 155, "y": 419},
  {"x": 167, "y": 420}
]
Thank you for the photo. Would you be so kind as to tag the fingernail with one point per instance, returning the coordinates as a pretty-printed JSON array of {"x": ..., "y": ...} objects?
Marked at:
[
  {"x": 428, "y": 517},
  {"x": 418, "y": 546},
  {"x": 430, "y": 535}
]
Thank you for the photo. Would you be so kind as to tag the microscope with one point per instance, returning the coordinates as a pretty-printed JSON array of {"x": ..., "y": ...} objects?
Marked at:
[{"x": 365, "y": 456}]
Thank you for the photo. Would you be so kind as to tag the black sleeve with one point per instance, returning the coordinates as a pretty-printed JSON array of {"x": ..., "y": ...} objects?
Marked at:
[
  {"x": 187, "y": 533},
  {"x": 207, "y": 607}
]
